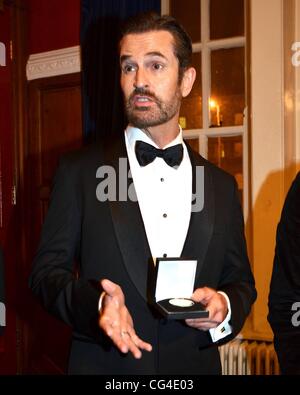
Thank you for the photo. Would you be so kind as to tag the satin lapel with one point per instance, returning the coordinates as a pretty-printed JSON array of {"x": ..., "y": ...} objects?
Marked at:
[
  {"x": 128, "y": 223},
  {"x": 201, "y": 223}
]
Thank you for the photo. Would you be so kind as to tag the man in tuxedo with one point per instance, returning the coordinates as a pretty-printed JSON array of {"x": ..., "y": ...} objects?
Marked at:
[
  {"x": 116, "y": 241},
  {"x": 2, "y": 305},
  {"x": 284, "y": 296}
]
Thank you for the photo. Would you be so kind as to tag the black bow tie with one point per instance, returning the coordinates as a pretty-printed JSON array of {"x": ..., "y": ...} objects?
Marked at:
[{"x": 146, "y": 153}]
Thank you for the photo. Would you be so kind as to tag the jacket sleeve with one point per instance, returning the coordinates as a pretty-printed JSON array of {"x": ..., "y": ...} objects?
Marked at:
[
  {"x": 288, "y": 237},
  {"x": 237, "y": 280},
  {"x": 53, "y": 278},
  {"x": 284, "y": 295}
]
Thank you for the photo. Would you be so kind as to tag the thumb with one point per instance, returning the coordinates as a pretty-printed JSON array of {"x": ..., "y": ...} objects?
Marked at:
[{"x": 109, "y": 287}]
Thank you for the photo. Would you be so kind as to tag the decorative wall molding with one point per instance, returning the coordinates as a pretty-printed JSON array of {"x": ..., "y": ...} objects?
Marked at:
[{"x": 53, "y": 63}]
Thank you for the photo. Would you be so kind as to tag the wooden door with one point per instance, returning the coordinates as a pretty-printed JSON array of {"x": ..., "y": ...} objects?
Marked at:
[
  {"x": 55, "y": 127},
  {"x": 8, "y": 351}
]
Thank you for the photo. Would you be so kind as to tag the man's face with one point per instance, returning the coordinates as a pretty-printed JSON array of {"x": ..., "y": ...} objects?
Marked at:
[{"x": 149, "y": 78}]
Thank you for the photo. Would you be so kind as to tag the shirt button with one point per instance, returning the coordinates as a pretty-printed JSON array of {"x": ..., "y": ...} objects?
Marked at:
[
  {"x": 162, "y": 179},
  {"x": 165, "y": 215}
]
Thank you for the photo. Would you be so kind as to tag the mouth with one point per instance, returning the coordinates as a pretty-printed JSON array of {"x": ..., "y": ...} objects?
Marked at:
[{"x": 142, "y": 101}]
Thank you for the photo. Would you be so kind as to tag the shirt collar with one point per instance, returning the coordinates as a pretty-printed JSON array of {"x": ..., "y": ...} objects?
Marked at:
[{"x": 133, "y": 134}]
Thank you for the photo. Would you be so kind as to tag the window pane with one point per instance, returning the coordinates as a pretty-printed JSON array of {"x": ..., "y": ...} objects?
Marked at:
[
  {"x": 193, "y": 143},
  {"x": 191, "y": 107},
  {"x": 226, "y": 18},
  {"x": 227, "y": 153},
  {"x": 189, "y": 15},
  {"x": 227, "y": 87}
]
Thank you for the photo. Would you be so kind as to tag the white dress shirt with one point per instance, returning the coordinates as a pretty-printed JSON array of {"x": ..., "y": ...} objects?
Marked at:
[{"x": 164, "y": 196}]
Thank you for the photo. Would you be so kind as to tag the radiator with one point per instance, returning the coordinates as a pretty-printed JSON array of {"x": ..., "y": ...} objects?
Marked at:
[{"x": 249, "y": 357}]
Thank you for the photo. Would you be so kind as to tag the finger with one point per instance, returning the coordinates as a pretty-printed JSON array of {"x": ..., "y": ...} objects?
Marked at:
[
  {"x": 202, "y": 295},
  {"x": 119, "y": 341},
  {"x": 200, "y": 324},
  {"x": 125, "y": 343},
  {"x": 207, "y": 326},
  {"x": 198, "y": 320},
  {"x": 138, "y": 341},
  {"x": 125, "y": 340},
  {"x": 112, "y": 328},
  {"x": 135, "y": 345},
  {"x": 204, "y": 327},
  {"x": 127, "y": 324},
  {"x": 133, "y": 348}
]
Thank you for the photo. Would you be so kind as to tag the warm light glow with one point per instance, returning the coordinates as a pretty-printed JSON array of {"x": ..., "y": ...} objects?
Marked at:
[{"x": 213, "y": 103}]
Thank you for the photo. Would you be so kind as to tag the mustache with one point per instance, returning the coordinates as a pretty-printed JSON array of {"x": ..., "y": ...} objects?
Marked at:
[{"x": 144, "y": 92}]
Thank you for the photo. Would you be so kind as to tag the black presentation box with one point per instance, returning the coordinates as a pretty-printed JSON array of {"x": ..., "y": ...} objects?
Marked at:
[{"x": 174, "y": 285}]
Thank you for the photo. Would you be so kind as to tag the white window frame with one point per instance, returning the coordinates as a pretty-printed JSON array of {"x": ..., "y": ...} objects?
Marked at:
[{"x": 205, "y": 47}]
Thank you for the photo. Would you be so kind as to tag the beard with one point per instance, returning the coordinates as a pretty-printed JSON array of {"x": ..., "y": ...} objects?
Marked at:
[{"x": 146, "y": 116}]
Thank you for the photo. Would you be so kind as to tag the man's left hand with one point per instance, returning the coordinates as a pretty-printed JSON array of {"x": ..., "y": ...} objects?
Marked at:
[{"x": 215, "y": 303}]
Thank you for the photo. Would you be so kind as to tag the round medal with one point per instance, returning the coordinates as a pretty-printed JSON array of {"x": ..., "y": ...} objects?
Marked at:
[{"x": 181, "y": 302}]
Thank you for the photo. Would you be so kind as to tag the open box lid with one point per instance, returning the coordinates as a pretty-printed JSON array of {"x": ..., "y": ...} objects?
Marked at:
[
  {"x": 174, "y": 286},
  {"x": 175, "y": 278}
]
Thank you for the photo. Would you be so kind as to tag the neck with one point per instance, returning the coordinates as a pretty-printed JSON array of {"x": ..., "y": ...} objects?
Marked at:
[{"x": 163, "y": 134}]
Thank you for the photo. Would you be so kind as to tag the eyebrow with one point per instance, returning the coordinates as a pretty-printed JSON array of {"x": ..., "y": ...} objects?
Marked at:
[
  {"x": 123, "y": 58},
  {"x": 156, "y": 53}
]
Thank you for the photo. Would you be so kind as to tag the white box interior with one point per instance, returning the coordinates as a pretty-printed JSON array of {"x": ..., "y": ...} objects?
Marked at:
[{"x": 175, "y": 279}]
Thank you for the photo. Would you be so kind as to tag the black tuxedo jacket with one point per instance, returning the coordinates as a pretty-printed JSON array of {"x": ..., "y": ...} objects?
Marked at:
[
  {"x": 109, "y": 241},
  {"x": 1, "y": 284},
  {"x": 285, "y": 284}
]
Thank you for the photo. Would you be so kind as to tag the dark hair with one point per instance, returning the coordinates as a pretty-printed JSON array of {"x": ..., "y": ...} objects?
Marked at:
[{"x": 151, "y": 21}]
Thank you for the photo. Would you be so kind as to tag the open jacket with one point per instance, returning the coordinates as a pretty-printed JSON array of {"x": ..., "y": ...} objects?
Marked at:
[{"x": 109, "y": 241}]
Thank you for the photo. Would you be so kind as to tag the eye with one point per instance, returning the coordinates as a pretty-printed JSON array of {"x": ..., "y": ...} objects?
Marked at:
[
  {"x": 128, "y": 68},
  {"x": 157, "y": 66}
]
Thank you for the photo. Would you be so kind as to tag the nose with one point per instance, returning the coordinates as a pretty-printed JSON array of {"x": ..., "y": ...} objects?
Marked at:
[{"x": 141, "y": 80}]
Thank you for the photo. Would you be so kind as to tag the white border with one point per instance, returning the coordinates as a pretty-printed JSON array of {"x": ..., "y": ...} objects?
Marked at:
[{"x": 53, "y": 63}]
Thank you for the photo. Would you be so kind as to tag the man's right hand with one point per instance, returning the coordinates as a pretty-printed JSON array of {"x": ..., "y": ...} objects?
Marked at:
[{"x": 116, "y": 321}]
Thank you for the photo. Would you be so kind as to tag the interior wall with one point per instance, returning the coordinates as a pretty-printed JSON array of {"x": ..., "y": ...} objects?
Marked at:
[
  {"x": 6, "y": 134},
  {"x": 267, "y": 161},
  {"x": 297, "y": 89},
  {"x": 53, "y": 24},
  {"x": 8, "y": 360},
  {"x": 289, "y": 93},
  {"x": 275, "y": 134}
]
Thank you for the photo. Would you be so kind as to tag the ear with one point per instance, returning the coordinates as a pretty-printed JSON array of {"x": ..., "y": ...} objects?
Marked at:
[{"x": 188, "y": 80}]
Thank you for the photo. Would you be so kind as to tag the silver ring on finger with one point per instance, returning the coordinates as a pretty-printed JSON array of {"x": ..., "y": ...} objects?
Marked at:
[{"x": 123, "y": 333}]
